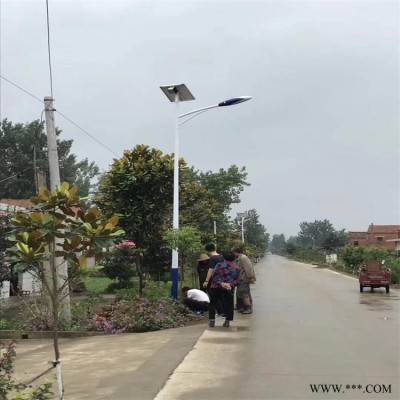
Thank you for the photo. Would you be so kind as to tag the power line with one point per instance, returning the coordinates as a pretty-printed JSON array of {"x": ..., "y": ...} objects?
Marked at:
[
  {"x": 13, "y": 176},
  {"x": 87, "y": 133},
  {"x": 48, "y": 47},
  {"x": 64, "y": 116},
  {"x": 20, "y": 88}
]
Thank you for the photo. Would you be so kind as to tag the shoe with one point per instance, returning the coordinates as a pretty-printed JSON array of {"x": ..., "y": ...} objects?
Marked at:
[
  {"x": 247, "y": 311},
  {"x": 240, "y": 310},
  {"x": 197, "y": 314},
  {"x": 211, "y": 323},
  {"x": 226, "y": 324}
]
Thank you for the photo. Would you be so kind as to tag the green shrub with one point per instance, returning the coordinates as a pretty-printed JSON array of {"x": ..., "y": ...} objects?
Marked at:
[
  {"x": 82, "y": 314},
  {"x": 157, "y": 290},
  {"x": 127, "y": 294},
  {"x": 6, "y": 325},
  {"x": 394, "y": 264},
  {"x": 96, "y": 272}
]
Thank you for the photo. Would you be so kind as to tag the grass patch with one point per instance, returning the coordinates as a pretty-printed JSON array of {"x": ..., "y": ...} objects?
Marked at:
[{"x": 96, "y": 284}]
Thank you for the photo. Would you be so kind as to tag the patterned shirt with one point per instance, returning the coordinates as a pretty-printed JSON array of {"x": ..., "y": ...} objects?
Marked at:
[{"x": 225, "y": 272}]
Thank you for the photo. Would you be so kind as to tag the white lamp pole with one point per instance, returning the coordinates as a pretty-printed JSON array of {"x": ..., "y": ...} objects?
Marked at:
[
  {"x": 175, "y": 217},
  {"x": 242, "y": 216},
  {"x": 177, "y": 93}
]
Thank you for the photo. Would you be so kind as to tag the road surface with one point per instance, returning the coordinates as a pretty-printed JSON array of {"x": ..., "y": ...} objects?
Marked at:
[{"x": 310, "y": 327}]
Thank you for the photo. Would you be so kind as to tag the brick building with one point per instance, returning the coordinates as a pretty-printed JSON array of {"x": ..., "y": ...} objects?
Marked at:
[
  {"x": 357, "y": 239},
  {"x": 383, "y": 236}
]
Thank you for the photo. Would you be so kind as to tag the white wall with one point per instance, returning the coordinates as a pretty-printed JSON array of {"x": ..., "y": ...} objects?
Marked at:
[
  {"x": 5, "y": 290},
  {"x": 331, "y": 258},
  {"x": 30, "y": 283}
]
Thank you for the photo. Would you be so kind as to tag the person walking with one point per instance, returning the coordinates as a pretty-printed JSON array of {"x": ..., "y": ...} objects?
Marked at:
[
  {"x": 202, "y": 269},
  {"x": 247, "y": 277},
  {"x": 224, "y": 279}
]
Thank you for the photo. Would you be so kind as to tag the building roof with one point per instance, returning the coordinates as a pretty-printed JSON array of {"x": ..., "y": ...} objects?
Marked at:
[
  {"x": 357, "y": 235},
  {"x": 15, "y": 204},
  {"x": 384, "y": 229}
]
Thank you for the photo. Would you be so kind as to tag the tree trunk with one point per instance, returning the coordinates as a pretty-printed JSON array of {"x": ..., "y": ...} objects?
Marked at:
[
  {"x": 54, "y": 296},
  {"x": 140, "y": 275}
]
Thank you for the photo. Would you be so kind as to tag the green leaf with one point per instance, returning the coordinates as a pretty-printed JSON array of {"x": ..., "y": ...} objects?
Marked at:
[{"x": 82, "y": 261}]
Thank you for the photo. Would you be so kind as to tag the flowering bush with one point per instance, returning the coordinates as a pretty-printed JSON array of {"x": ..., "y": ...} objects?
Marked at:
[
  {"x": 7, "y": 355},
  {"x": 119, "y": 264},
  {"x": 141, "y": 315}
]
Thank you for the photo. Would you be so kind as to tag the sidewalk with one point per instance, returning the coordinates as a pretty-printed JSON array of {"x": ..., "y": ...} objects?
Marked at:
[
  {"x": 118, "y": 367},
  {"x": 213, "y": 360}
]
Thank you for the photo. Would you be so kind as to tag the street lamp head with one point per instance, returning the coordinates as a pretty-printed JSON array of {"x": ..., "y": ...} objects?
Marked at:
[{"x": 233, "y": 101}]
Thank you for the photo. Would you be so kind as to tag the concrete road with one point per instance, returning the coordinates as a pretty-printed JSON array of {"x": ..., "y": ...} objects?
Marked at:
[{"x": 311, "y": 326}]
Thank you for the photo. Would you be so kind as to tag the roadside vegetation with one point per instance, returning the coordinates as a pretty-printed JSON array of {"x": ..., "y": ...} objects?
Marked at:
[
  {"x": 318, "y": 239},
  {"x": 136, "y": 194}
]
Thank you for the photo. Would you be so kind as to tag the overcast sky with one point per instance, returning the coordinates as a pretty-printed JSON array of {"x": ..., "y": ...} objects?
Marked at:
[{"x": 319, "y": 139}]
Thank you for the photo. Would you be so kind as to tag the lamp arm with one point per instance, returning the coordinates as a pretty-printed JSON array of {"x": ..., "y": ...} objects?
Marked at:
[
  {"x": 192, "y": 116},
  {"x": 198, "y": 110}
]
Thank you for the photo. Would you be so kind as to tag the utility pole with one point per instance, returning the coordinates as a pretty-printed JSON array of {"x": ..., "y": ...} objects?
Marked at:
[
  {"x": 52, "y": 144},
  {"x": 242, "y": 217},
  {"x": 59, "y": 265},
  {"x": 35, "y": 175},
  {"x": 215, "y": 227}
]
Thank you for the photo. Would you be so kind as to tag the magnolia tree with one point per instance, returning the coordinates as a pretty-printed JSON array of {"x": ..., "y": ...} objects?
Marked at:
[
  {"x": 122, "y": 264},
  {"x": 59, "y": 228}
]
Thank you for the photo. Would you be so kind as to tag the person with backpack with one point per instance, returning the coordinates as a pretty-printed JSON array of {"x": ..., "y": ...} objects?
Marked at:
[{"x": 214, "y": 259}]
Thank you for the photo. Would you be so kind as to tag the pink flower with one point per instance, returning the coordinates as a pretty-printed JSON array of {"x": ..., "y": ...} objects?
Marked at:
[{"x": 126, "y": 243}]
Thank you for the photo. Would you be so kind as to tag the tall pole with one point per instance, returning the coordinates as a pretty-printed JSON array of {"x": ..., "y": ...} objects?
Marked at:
[
  {"x": 59, "y": 264},
  {"x": 52, "y": 144},
  {"x": 215, "y": 227},
  {"x": 242, "y": 229},
  {"x": 175, "y": 220},
  {"x": 35, "y": 171}
]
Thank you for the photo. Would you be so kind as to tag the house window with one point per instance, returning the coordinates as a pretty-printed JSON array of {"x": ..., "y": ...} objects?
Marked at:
[
  {"x": 355, "y": 243},
  {"x": 379, "y": 240}
]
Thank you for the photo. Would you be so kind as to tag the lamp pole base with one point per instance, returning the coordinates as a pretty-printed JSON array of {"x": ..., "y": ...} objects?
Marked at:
[{"x": 174, "y": 279}]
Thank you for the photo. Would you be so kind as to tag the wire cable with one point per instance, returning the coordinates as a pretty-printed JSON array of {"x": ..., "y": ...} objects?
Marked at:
[
  {"x": 20, "y": 88},
  {"x": 13, "y": 176},
  {"x": 64, "y": 116},
  {"x": 48, "y": 48},
  {"x": 87, "y": 133}
]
